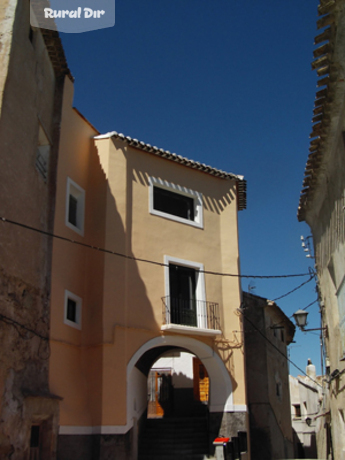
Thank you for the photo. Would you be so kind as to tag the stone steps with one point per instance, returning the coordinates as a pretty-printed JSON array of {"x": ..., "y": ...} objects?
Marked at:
[{"x": 174, "y": 438}]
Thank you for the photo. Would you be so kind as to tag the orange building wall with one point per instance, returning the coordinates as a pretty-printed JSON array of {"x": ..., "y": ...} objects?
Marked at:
[{"x": 122, "y": 306}]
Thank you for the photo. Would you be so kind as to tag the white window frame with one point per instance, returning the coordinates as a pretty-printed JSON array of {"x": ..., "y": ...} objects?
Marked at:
[
  {"x": 340, "y": 293},
  {"x": 196, "y": 196},
  {"x": 78, "y": 301},
  {"x": 200, "y": 287},
  {"x": 79, "y": 194}
]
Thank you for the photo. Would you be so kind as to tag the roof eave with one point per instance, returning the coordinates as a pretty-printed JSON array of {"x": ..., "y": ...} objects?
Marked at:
[{"x": 240, "y": 182}]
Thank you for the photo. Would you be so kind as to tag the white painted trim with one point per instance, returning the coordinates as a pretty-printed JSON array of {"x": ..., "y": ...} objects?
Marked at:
[
  {"x": 79, "y": 301},
  {"x": 112, "y": 429},
  {"x": 190, "y": 330},
  {"x": 80, "y": 430},
  {"x": 200, "y": 285},
  {"x": 196, "y": 196},
  {"x": 89, "y": 430},
  {"x": 78, "y": 193},
  {"x": 237, "y": 408}
]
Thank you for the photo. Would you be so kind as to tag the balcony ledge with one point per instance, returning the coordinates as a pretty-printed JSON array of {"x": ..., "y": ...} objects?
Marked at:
[{"x": 190, "y": 330}]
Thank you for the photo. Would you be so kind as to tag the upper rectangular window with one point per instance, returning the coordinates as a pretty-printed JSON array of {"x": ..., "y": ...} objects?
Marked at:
[
  {"x": 176, "y": 203},
  {"x": 75, "y": 204}
]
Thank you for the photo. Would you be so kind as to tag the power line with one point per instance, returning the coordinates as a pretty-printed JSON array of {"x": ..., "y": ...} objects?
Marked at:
[
  {"x": 295, "y": 289},
  {"x": 276, "y": 348},
  {"x": 137, "y": 259},
  {"x": 283, "y": 321}
]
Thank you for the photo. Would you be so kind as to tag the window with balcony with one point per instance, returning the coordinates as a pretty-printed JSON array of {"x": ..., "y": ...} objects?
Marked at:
[
  {"x": 185, "y": 305},
  {"x": 175, "y": 202},
  {"x": 183, "y": 296}
]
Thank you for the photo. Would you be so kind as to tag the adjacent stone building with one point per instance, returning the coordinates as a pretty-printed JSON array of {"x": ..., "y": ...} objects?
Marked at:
[
  {"x": 322, "y": 206},
  {"x": 267, "y": 332},
  {"x": 32, "y": 72}
]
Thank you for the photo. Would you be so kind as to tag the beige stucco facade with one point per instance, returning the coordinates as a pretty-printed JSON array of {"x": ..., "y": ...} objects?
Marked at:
[
  {"x": 322, "y": 207},
  {"x": 98, "y": 364}
]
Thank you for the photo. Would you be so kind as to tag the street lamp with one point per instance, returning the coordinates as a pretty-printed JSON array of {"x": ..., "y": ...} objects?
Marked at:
[{"x": 300, "y": 317}]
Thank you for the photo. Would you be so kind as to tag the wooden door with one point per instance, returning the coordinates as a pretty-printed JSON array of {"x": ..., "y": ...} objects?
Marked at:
[
  {"x": 201, "y": 381},
  {"x": 159, "y": 389}
]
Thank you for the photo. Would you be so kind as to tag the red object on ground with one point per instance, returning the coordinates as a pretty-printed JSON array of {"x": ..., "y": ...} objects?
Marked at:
[{"x": 221, "y": 440}]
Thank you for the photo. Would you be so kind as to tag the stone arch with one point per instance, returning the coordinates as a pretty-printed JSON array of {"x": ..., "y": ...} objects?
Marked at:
[{"x": 221, "y": 398}]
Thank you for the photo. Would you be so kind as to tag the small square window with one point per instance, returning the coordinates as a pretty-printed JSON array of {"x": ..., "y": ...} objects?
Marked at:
[
  {"x": 71, "y": 310},
  {"x": 72, "y": 314},
  {"x": 175, "y": 202},
  {"x": 75, "y": 207},
  {"x": 72, "y": 210}
]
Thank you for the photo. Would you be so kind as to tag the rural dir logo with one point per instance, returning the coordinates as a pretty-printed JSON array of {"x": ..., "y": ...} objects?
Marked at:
[{"x": 72, "y": 16}]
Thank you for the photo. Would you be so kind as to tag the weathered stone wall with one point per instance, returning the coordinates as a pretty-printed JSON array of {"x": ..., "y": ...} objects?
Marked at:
[
  {"x": 30, "y": 91},
  {"x": 102, "y": 447}
]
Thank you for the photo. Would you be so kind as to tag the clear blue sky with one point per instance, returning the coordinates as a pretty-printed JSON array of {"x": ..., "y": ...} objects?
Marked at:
[{"x": 227, "y": 83}]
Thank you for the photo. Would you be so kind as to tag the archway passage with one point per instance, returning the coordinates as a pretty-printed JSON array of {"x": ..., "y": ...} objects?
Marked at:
[
  {"x": 220, "y": 386},
  {"x": 177, "y": 385},
  {"x": 177, "y": 408},
  {"x": 182, "y": 432}
]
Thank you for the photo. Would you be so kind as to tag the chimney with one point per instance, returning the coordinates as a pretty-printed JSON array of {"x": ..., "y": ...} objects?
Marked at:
[{"x": 311, "y": 370}]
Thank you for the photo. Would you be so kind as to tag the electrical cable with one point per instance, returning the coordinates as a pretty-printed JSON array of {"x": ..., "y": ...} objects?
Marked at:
[
  {"x": 137, "y": 259},
  {"x": 295, "y": 289},
  {"x": 107, "y": 251},
  {"x": 276, "y": 348}
]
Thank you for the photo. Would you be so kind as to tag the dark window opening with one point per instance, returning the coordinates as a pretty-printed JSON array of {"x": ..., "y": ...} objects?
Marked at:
[
  {"x": 173, "y": 203},
  {"x": 182, "y": 282},
  {"x": 297, "y": 410},
  {"x": 35, "y": 436},
  {"x": 31, "y": 34},
  {"x": 243, "y": 443},
  {"x": 72, "y": 210},
  {"x": 72, "y": 310}
]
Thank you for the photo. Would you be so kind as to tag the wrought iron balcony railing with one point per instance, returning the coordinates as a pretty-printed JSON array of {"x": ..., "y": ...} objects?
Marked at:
[{"x": 191, "y": 312}]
